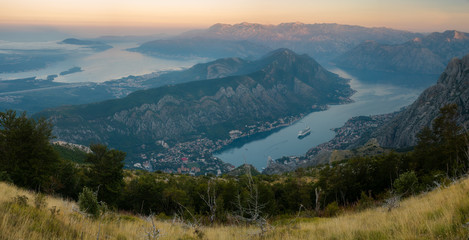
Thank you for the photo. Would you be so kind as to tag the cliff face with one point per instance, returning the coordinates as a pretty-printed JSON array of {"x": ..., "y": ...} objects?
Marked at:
[
  {"x": 278, "y": 85},
  {"x": 452, "y": 87},
  {"x": 429, "y": 54}
]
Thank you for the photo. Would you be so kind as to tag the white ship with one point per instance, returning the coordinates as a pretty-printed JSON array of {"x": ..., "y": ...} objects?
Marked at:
[{"x": 305, "y": 132}]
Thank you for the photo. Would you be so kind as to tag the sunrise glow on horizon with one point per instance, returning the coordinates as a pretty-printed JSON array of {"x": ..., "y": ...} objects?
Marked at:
[{"x": 413, "y": 15}]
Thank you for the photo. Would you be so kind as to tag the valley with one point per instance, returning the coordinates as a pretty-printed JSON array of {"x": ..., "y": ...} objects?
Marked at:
[
  {"x": 196, "y": 120},
  {"x": 219, "y": 148},
  {"x": 266, "y": 94},
  {"x": 371, "y": 98}
]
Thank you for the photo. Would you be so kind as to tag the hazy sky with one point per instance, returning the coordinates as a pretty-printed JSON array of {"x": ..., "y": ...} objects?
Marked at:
[{"x": 414, "y": 15}]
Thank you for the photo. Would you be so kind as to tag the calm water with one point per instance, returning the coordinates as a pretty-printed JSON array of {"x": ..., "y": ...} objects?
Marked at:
[
  {"x": 370, "y": 99},
  {"x": 103, "y": 66}
]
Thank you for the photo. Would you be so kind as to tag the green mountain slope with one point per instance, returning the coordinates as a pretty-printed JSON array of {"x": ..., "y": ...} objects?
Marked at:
[{"x": 279, "y": 85}]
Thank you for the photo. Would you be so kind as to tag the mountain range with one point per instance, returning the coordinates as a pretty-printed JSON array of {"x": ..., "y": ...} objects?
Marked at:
[
  {"x": 201, "y": 47},
  {"x": 240, "y": 94},
  {"x": 427, "y": 55},
  {"x": 321, "y": 41}
]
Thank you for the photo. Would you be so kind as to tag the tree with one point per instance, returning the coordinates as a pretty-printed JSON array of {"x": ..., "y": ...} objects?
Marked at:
[
  {"x": 69, "y": 178},
  {"x": 26, "y": 154},
  {"x": 443, "y": 146},
  {"x": 144, "y": 195},
  {"x": 106, "y": 173}
]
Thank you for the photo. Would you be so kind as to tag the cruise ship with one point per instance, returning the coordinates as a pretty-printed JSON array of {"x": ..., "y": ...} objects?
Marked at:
[{"x": 305, "y": 132}]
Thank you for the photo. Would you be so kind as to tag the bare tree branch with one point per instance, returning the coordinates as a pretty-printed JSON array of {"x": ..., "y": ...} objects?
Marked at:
[
  {"x": 250, "y": 211},
  {"x": 211, "y": 200}
]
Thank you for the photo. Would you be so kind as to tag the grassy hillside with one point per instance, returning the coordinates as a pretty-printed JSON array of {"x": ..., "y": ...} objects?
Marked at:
[{"x": 440, "y": 214}]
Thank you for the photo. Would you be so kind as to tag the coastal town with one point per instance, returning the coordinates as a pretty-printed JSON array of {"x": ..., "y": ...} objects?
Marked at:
[
  {"x": 354, "y": 130},
  {"x": 196, "y": 157}
]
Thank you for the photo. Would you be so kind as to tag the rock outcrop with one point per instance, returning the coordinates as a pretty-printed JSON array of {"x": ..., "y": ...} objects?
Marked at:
[{"x": 452, "y": 87}]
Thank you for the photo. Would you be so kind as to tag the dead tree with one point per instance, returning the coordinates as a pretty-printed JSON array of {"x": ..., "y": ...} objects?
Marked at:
[
  {"x": 152, "y": 233},
  {"x": 195, "y": 224},
  {"x": 250, "y": 210},
  {"x": 392, "y": 202},
  {"x": 211, "y": 200},
  {"x": 318, "y": 204}
]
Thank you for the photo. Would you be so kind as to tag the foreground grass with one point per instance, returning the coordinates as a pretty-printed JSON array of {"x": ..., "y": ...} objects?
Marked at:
[{"x": 440, "y": 214}]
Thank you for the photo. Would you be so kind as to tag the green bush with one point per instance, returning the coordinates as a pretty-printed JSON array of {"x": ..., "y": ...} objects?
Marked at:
[
  {"x": 332, "y": 209},
  {"x": 407, "y": 183},
  {"x": 365, "y": 201},
  {"x": 88, "y": 202}
]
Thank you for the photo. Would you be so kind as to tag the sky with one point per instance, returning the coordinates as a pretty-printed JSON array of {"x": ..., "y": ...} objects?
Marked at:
[{"x": 141, "y": 15}]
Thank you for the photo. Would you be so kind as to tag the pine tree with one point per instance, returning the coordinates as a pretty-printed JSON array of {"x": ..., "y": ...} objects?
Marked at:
[
  {"x": 443, "y": 147},
  {"x": 106, "y": 173},
  {"x": 26, "y": 154}
]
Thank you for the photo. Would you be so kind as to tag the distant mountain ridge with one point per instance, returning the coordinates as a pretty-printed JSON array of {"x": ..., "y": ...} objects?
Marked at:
[
  {"x": 321, "y": 41},
  {"x": 429, "y": 54},
  {"x": 296, "y": 31},
  {"x": 452, "y": 87},
  {"x": 201, "y": 47},
  {"x": 281, "y": 84}
]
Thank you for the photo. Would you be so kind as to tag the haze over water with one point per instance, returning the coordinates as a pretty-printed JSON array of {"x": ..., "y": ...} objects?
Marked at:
[{"x": 103, "y": 66}]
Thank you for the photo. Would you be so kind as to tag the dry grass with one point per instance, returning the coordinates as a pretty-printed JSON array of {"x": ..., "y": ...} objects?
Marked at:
[
  {"x": 440, "y": 214},
  {"x": 437, "y": 215}
]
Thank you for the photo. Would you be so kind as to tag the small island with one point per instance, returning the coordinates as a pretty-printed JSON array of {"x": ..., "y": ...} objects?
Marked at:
[
  {"x": 95, "y": 45},
  {"x": 71, "y": 70}
]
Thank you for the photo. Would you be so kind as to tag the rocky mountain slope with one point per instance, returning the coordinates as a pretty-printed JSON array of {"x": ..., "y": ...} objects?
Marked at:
[
  {"x": 452, "y": 87},
  {"x": 322, "y": 41},
  {"x": 429, "y": 54},
  {"x": 393, "y": 130},
  {"x": 279, "y": 85}
]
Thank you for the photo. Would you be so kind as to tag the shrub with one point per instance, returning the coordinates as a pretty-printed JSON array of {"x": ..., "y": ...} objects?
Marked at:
[
  {"x": 407, "y": 183},
  {"x": 332, "y": 209},
  {"x": 365, "y": 201},
  {"x": 40, "y": 201},
  {"x": 88, "y": 202},
  {"x": 21, "y": 200}
]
